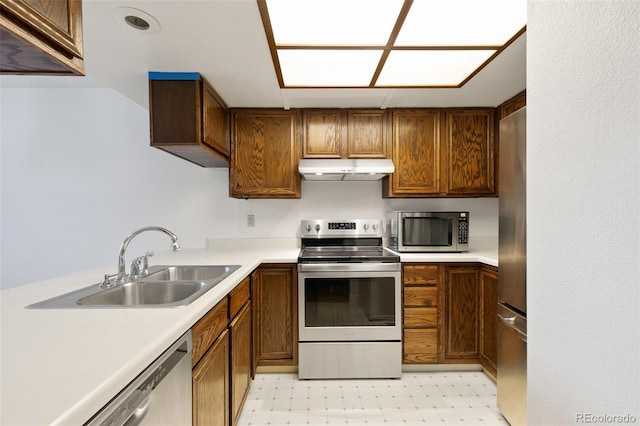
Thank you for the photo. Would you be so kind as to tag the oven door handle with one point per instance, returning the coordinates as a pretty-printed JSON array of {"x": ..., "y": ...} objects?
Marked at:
[{"x": 348, "y": 267}]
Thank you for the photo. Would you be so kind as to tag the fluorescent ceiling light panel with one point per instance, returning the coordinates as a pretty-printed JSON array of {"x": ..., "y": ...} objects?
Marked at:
[
  {"x": 328, "y": 68},
  {"x": 462, "y": 22},
  {"x": 344, "y": 43},
  {"x": 333, "y": 22},
  {"x": 431, "y": 67}
]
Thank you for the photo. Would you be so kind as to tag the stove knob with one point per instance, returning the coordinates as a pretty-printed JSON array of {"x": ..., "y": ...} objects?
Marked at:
[
  {"x": 308, "y": 227},
  {"x": 375, "y": 226},
  {"x": 366, "y": 226},
  {"x": 317, "y": 227}
]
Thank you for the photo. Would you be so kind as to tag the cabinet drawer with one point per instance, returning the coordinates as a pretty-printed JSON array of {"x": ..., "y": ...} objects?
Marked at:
[
  {"x": 420, "y": 345},
  {"x": 238, "y": 297},
  {"x": 420, "y": 274},
  {"x": 421, "y": 317},
  {"x": 208, "y": 328},
  {"x": 420, "y": 296}
]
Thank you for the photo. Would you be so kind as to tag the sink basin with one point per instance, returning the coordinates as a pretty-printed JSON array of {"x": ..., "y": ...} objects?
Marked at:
[
  {"x": 163, "y": 286},
  {"x": 145, "y": 293}
]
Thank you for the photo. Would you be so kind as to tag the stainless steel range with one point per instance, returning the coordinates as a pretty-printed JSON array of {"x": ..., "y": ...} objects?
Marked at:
[{"x": 348, "y": 302}]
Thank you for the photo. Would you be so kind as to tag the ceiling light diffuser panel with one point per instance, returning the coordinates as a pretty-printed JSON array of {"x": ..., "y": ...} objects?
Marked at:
[
  {"x": 328, "y": 68},
  {"x": 333, "y": 22},
  {"x": 387, "y": 43},
  {"x": 426, "y": 68}
]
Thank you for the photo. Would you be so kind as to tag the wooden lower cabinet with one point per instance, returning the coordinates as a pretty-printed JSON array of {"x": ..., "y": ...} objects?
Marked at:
[
  {"x": 420, "y": 316},
  {"x": 488, "y": 320},
  {"x": 240, "y": 329},
  {"x": 275, "y": 321},
  {"x": 461, "y": 319},
  {"x": 211, "y": 385}
]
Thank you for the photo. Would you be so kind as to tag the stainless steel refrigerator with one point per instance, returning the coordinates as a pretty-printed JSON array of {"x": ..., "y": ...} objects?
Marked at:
[{"x": 512, "y": 271}]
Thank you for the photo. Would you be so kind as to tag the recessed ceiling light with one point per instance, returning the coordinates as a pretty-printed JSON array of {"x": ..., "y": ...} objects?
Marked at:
[{"x": 137, "y": 20}]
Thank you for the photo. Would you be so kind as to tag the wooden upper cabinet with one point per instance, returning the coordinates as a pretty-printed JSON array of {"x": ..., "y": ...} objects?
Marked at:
[
  {"x": 367, "y": 134},
  {"x": 470, "y": 159},
  {"x": 264, "y": 154},
  {"x": 344, "y": 133},
  {"x": 189, "y": 119},
  {"x": 415, "y": 153},
  {"x": 41, "y": 37},
  {"x": 443, "y": 153},
  {"x": 324, "y": 133}
]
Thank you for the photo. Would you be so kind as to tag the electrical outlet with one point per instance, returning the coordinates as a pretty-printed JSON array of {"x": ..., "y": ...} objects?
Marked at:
[{"x": 251, "y": 220}]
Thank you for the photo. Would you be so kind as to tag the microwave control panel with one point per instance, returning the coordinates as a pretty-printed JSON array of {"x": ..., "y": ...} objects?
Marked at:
[{"x": 463, "y": 230}]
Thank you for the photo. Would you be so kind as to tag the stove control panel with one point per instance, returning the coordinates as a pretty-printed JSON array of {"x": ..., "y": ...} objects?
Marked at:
[{"x": 320, "y": 228}]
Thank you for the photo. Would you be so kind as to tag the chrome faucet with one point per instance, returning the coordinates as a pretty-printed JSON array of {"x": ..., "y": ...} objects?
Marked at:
[{"x": 120, "y": 278}]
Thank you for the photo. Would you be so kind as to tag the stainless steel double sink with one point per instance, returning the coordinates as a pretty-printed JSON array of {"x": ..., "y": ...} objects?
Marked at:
[{"x": 162, "y": 286}]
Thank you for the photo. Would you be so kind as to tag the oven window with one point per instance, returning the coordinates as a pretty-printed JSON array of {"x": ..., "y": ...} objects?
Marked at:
[
  {"x": 427, "y": 231},
  {"x": 348, "y": 302}
]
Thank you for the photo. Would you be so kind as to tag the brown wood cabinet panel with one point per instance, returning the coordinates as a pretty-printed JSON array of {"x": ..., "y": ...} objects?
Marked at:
[
  {"x": 470, "y": 161},
  {"x": 367, "y": 134},
  {"x": 275, "y": 320},
  {"x": 210, "y": 385},
  {"x": 239, "y": 296},
  {"x": 189, "y": 120},
  {"x": 488, "y": 320},
  {"x": 512, "y": 105},
  {"x": 215, "y": 120},
  {"x": 264, "y": 154},
  {"x": 421, "y": 317},
  {"x": 420, "y": 274},
  {"x": 41, "y": 37},
  {"x": 462, "y": 328},
  {"x": 415, "y": 153},
  {"x": 325, "y": 133},
  {"x": 208, "y": 328},
  {"x": 240, "y": 329},
  {"x": 420, "y": 346},
  {"x": 415, "y": 296}
]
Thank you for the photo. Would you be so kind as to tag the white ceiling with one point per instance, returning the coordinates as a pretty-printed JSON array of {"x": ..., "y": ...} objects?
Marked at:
[{"x": 224, "y": 41}]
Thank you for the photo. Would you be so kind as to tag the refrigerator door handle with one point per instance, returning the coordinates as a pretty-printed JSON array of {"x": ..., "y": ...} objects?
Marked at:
[{"x": 510, "y": 322}]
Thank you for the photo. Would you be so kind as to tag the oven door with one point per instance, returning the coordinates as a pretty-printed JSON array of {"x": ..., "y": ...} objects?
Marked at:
[{"x": 340, "y": 302}]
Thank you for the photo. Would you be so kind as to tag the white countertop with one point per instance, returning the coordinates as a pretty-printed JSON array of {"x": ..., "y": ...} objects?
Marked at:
[{"x": 60, "y": 366}]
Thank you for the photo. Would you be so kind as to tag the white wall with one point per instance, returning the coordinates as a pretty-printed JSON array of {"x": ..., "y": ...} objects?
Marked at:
[
  {"x": 78, "y": 176},
  {"x": 583, "y": 195}
]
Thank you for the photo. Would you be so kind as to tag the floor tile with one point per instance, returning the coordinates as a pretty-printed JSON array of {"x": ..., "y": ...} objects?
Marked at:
[{"x": 441, "y": 398}]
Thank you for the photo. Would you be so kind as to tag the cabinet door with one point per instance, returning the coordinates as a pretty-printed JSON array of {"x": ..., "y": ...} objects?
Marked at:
[
  {"x": 367, "y": 134},
  {"x": 470, "y": 145},
  {"x": 488, "y": 310},
  {"x": 240, "y": 360},
  {"x": 211, "y": 385},
  {"x": 462, "y": 327},
  {"x": 415, "y": 153},
  {"x": 324, "y": 133},
  {"x": 275, "y": 323},
  {"x": 215, "y": 120},
  {"x": 42, "y": 36},
  {"x": 264, "y": 154}
]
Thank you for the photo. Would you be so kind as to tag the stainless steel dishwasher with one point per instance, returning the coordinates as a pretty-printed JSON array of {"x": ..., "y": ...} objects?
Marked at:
[{"x": 160, "y": 395}]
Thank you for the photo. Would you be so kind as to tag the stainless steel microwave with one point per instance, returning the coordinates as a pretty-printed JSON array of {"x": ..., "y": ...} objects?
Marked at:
[{"x": 423, "y": 232}]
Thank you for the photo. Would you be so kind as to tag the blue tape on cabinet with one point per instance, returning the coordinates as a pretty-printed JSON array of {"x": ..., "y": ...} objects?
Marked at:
[{"x": 153, "y": 75}]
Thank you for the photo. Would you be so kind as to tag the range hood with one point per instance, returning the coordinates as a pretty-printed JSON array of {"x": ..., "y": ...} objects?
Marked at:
[{"x": 345, "y": 170}]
